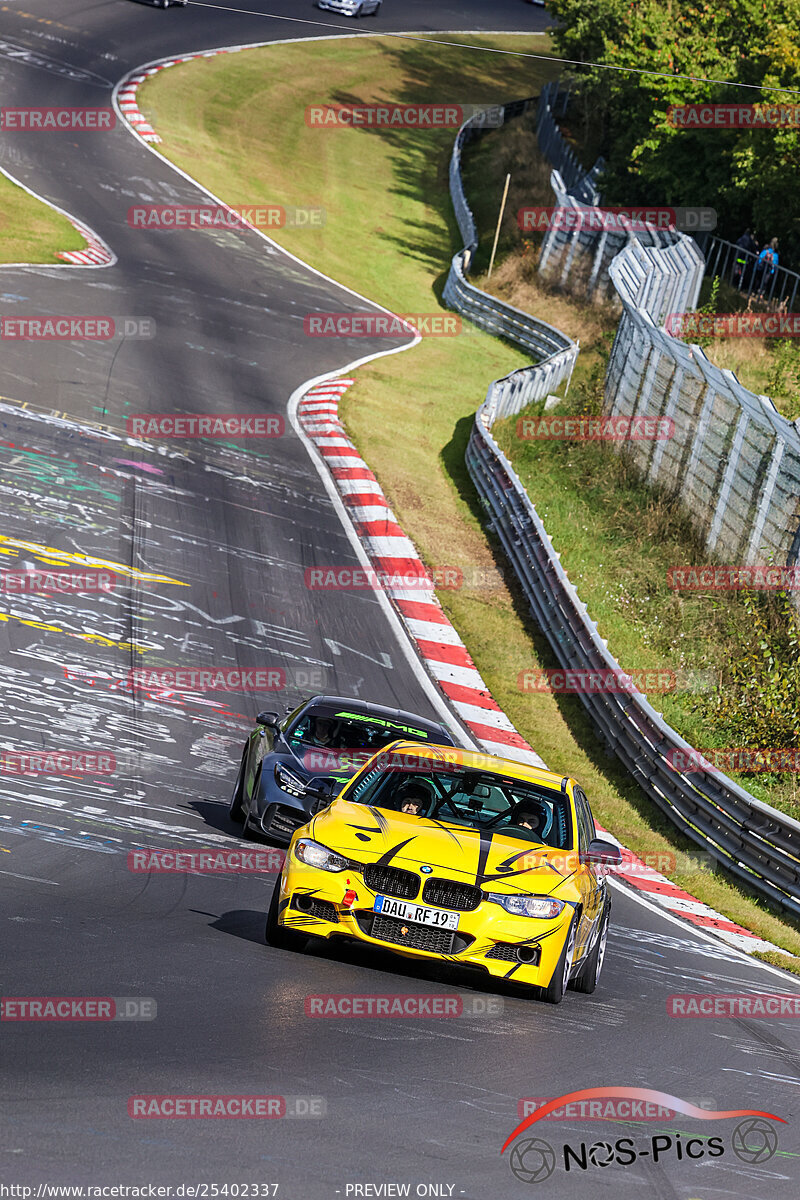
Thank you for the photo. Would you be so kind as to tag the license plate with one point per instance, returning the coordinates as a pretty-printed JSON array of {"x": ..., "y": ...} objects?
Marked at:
[{"x": 418, "y": 914}]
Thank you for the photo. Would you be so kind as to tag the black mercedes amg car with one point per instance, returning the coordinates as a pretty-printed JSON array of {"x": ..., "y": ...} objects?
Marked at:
[{"x": 318, "y": 746}]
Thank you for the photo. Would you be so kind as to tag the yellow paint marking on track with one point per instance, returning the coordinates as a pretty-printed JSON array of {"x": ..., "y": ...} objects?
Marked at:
[
  {"x": 18, "y": 12},
  {"x": 99, "y": 638},
  {"x": 52, "y": 556}
]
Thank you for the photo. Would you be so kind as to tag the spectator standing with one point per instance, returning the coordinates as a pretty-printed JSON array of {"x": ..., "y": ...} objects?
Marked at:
[
  {"x": 766, "y": 265},
  {"x": 746, "y": 246}
]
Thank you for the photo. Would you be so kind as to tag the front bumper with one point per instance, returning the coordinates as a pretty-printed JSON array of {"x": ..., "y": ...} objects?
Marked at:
[
  {"x": 489, "y": 938},
  {"x": 279, "y": 822},
  {"x": 277, "y": 814}
]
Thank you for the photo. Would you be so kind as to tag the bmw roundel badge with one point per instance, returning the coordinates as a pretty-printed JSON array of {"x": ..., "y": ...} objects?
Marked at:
[{"x": 426, "y": 870}]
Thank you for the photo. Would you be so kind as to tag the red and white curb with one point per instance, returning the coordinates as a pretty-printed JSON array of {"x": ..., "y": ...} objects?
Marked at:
[
  {"x": 127, "y": 98},
  {"x": 392, "y": 554},
  {"x": 97, "y": 253}
]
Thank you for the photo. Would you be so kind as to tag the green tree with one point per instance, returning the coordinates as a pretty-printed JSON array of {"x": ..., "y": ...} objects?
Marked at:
[{"x": 747, "y": 175}]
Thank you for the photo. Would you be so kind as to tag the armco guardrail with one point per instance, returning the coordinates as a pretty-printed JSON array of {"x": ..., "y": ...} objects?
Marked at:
[
  {"x": 756, "y": 843},
  {"x": 580, "y": 183},
  {"x": 752, "y": 840},
  {"x": 547, "y": 343}
]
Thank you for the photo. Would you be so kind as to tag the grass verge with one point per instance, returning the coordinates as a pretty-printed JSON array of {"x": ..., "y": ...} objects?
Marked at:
[
  {"x": 30, "y": 230},
  {"x": 237, "y": 124}
]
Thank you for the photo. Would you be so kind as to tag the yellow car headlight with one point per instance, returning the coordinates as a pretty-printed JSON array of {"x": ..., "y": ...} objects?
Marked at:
[
  {"x": 314, "y": 854},
  {"x": 528, "y": 906}
]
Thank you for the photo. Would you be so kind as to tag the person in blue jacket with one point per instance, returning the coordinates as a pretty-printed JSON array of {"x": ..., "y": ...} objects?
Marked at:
[{"x": 766, "y": 265}]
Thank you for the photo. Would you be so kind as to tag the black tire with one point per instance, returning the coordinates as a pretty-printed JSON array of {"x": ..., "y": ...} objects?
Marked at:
[
  {"x": 556, "y": 990},
  {"x": 235, "y": 811},
  {"x": 250, "y": 834},
  {"x": 587, "y": 977},
  {"x": 275, "y": 934}
]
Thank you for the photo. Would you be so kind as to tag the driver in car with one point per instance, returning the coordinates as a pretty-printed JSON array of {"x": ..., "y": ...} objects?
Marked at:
[
  {"x": 528, "y": 815},
  {"x": 415, "y": 800},
  {"x": 324, "y": 731}
]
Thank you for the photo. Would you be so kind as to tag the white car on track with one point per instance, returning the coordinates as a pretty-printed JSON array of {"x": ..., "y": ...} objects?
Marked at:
[
  {"x": 351, "y": 8},
  {"x": 164, "y": 3}
]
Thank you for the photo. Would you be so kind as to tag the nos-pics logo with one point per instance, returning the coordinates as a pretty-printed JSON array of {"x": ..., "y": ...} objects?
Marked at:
[{"x": 532, "y": 1160}]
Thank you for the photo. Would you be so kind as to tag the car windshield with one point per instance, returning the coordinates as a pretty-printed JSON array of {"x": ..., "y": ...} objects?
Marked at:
[
  {"x": 334, "y": 730},
  {"x": 478, "y": 799}
]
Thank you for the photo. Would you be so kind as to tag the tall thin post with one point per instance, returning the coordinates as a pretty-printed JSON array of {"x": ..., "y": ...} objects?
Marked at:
[{"x": 497, "y": 231}]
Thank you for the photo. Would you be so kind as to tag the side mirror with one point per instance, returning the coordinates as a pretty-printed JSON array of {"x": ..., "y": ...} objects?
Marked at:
[
  {"x": 602, "y": 853},
  {"x": 270, "y": 719},
  {"x": 323, "y": 791}
]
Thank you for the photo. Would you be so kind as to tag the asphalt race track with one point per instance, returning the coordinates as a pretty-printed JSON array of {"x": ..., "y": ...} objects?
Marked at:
[{"x": 209, "y": 545}]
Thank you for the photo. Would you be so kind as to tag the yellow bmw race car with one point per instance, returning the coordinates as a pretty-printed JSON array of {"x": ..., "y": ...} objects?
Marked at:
[{"x": 437, "y": 852}]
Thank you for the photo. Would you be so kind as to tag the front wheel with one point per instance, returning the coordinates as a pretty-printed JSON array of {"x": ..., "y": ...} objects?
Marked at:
[
  {"x": 278, "y": 935},
  {"x": 556, "y": 989},
  {"x": 587, "y": 978}
]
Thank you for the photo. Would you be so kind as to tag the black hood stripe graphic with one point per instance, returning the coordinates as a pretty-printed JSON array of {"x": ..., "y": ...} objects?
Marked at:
[
  {"x": 389, "y": 855},
  {"x": 380, "y": 818},
  {"x": 483, "y": 857},
  {"x": 441, "y": 825}
]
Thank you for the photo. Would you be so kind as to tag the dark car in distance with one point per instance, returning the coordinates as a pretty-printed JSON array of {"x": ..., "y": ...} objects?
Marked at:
[{"x": 289, "y": 765}]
